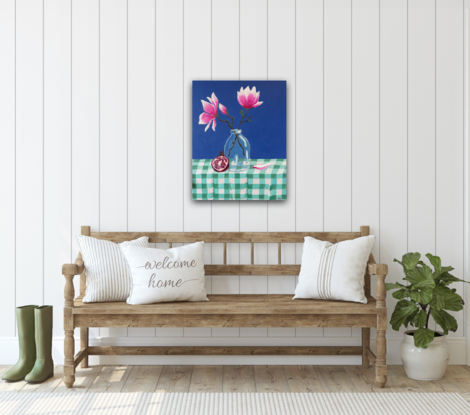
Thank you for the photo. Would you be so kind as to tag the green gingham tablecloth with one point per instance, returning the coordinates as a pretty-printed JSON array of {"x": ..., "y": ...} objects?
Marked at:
[{"x": 267, "y": 184}]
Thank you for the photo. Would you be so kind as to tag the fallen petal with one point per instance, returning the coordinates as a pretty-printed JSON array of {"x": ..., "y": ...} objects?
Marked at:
[{"x": 262, "y": 166}]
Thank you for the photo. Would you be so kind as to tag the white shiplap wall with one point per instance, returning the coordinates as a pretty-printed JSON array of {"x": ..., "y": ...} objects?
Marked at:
[{"x": 95, "y": 129}]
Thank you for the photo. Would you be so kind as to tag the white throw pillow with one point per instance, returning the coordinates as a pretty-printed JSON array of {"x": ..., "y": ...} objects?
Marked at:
[
  {"x": 334, "y": 271},
  {"x": 164, "y": 275},
  {"x": 108, "y": 276}
]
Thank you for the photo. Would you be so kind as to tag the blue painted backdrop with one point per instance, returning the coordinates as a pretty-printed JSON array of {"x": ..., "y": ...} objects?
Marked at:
[{"x": 267, "y": 130}]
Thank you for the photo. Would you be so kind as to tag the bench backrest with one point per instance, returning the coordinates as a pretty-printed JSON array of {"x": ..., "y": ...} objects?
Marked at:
[{"x": 233, "y": 237}]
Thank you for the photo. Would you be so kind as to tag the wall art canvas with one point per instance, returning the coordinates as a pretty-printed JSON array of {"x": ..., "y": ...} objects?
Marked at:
[{"x": 239, "y": 140}]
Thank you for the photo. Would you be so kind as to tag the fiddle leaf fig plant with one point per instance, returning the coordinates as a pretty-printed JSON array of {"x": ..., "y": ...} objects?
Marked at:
[{"x": 425, "y": 293}]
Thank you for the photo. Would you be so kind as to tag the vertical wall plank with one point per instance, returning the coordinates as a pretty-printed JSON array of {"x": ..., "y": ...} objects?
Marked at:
[
  {"x": 337, "y": 110},
  {"x": 85, "y": 121},
  {"x": 113, "y": 122},
  {"x": 309, "y": 125},
  {"x": 197, "y": 66},
  {"x": 281, "y": 214},
  {"x": 337, "y": 133},
  {"x": 450, "y": 142},
  {"x": 225, "y": 215},
  {"x": 141, "y": 123},
  {"x": 365, "y": 120},
  {"x": 421, "y": 127},
  {"x": 393, "y": 139},
  {"x": 29, "y": 153},
  {"x": 57, "y": 151},
  {"x": 7, "y": 164},
  {"x": 254, "y": 216},
  {"x": 169, "y": 111}
]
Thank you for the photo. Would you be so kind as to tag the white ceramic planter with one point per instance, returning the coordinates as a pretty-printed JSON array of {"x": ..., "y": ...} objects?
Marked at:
[{"x": 424, "y": 364}]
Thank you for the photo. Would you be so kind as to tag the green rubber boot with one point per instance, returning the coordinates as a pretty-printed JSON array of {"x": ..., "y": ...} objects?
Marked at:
[
  {"x": 44, "y": 366},
  {"x": 25, "y": 323}
]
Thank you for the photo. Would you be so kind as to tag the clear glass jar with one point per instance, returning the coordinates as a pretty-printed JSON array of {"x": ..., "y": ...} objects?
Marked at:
[{"x": 237, "y": 150}]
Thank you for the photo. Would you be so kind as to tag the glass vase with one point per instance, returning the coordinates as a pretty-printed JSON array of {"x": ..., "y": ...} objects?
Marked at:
[{"x": 237, "y": 150}]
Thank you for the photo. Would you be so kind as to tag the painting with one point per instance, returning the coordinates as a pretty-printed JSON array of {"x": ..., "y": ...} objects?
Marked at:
[{"x": 239, "y": 140}]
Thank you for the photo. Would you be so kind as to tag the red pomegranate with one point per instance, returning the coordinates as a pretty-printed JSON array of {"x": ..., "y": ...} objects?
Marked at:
[{"x": 220, "y": 163}]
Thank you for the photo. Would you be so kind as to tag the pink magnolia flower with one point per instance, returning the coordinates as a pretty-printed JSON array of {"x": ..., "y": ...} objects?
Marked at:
[
  {"x": 210, "y": 112},
  {"x": 248, "y": 99},
  {"x": 223, "y": 110}
]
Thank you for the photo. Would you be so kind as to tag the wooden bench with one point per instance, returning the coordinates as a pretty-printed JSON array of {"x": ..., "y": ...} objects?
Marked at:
[{"x": 228, "y": 310}]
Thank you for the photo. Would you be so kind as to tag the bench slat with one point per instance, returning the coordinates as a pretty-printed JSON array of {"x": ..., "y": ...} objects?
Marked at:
[
  {"x": 220, "y": 269},
  {"x": 224, "y": 350},
  {"x": 225, "y": 320},
  {"x": 228, "y": 237},
  {"x": 230, "y": 304}
]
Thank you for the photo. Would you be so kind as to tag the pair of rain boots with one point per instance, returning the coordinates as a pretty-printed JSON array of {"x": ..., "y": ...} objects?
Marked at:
[{"x": 35, "y": 363}]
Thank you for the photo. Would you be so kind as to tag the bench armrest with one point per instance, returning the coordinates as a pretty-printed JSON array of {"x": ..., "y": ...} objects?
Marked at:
[
  {"x": 69, "y": 271},
  {"x": 376, "y": 269},
  {"x": 381, "y": 271},
  {"x": 74, "y": 269}
]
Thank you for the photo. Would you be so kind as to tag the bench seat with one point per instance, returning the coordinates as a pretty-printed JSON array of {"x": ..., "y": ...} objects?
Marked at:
[{"x": 232, "y": 304}]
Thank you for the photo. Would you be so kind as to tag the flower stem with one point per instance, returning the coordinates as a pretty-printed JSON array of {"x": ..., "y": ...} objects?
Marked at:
[
  {"x": 233, "y": 145},
  {"x": 241, "y": 121},
  {"x": 220, "y": 119}
]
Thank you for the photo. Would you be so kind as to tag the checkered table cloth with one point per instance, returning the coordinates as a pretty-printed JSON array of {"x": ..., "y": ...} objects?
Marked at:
[{"x": 268, "y": 184}]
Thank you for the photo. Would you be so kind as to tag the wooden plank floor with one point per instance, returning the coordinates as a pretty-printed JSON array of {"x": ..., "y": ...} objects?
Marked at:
[{"x": 333, "y": 379}]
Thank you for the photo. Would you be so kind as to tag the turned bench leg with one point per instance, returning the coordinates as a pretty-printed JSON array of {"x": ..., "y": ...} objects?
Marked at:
[
  {"x": 365, "y": 345},
  {"x": 380, "y": 365},
  {"x": 381, "y": 345},
  {"x": 69, "y": 352},
  {"x": 84, "y": 345},
  {"x": 69, "y": 341}
]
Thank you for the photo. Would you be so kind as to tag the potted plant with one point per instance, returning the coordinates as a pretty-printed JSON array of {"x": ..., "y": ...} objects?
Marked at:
[{"x": 425, "y": 352}]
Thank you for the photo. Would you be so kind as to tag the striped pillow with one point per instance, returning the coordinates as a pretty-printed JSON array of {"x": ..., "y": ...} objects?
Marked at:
[
  {"x": 334, "y": 271},
  {"x": 108, "y": 276}
]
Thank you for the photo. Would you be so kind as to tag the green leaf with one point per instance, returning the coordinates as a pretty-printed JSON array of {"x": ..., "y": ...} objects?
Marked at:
[
  {"x": 391, "y": 286},
  {"x": 426, "y": 271},
  {"x": 437, "y": 301},
  {"x": 409, "y": 260},
  {"x": 401, "y": 263},
  {"x": 448, "y": 279},
  {"x": 423, "y": 337},
  {"x": 420, "y": 319},
  {"x": 241, "y": 113},
  {"x": 435, "y": 262},
  {"x": 401, "y": 294},
  {"x": 420, "y": 277},
  {"x": 422, "y": 297},
  {"x": 445, "y": 298},
  {"x": 453, "y": 302},
  {"x": 403, "y": 309},
  {"x": 410, "y": 318},
  {"x": 445, "y": 320},
  {"x": 226, "y": 110}
]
